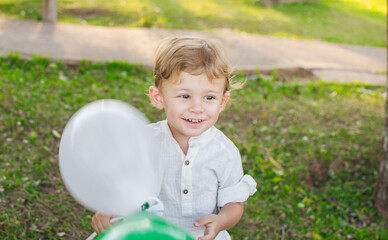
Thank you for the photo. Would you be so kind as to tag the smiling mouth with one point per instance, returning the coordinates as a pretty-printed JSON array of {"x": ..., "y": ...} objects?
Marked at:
[{"x": 193, "y": 120}]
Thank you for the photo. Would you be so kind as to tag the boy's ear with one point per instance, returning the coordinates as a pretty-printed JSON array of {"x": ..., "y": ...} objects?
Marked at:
[
  {"x": 224, "y": 100},
  {"x": 156, "y": 97}
]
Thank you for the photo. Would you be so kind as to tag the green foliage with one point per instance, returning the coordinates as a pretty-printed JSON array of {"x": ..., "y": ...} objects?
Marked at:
[
  {"x": 344, "y": 21},
  {"x": 313, "y": 148}
]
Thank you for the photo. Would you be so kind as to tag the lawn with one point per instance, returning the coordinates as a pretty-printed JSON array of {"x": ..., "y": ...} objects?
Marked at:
[
  {"x": 312, "y": 147},
  {"x": 355, "y": 22}
]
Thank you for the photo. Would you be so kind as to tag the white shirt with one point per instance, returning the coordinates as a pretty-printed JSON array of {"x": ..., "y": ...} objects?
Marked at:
[{"x": 197, "y": 184}]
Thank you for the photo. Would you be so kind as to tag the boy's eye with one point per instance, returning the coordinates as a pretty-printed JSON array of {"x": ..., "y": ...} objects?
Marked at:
[
  {"x": 185, "y": 96},
  {"x": 209, "y": 97}
]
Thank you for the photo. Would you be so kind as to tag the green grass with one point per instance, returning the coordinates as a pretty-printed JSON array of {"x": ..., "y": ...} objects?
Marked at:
[
  {"x": 326, "y": 141},
  {"x": 313, "y": 149},
  {"x": 353, "y": 22}
]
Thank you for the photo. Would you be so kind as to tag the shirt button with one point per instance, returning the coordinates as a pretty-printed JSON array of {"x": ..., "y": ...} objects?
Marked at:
[
  {"x": 187, "y": 162},
  {"x": 185, "y": 191}
]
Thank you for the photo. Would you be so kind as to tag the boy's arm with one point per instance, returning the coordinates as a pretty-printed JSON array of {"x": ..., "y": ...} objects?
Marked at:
[{"x": 229, "y": 215}]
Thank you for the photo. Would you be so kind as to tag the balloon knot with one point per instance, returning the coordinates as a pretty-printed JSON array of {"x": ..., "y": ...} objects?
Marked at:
[{"x": 145, "y": 206}]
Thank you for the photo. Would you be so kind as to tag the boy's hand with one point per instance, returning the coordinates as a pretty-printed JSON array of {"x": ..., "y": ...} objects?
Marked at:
[
  {"x": 211, "y": 224},
  {"x": 228, "y": 216},
  {"x": 100, "y": 222}
]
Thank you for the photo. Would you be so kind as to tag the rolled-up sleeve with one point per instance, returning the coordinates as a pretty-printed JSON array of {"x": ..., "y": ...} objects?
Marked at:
[
  {"x": 239, "y": 192},
  {"x": 233, "y": 185}
]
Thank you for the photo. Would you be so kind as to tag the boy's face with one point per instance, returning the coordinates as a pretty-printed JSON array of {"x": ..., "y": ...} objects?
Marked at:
[{"x": 192, "y": 105}]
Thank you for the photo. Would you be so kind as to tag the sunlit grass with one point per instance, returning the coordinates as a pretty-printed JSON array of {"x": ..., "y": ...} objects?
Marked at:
[
  {"x": 356, "y": 22},
  {"x": 110, "y": 5},
  {"x": 377, "y": 6}
]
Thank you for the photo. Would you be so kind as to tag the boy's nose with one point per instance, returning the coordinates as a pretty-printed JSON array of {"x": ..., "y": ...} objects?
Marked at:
[{"x": 196, "y": 106}]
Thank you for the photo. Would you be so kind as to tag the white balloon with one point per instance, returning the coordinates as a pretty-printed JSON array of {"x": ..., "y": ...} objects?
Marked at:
[{"x": 108, "y": 158}]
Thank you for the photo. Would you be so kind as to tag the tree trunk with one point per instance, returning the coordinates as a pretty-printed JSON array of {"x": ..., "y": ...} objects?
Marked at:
[
  {"x": 381, "y": 189},
  {"x": 50, "y": 11}
]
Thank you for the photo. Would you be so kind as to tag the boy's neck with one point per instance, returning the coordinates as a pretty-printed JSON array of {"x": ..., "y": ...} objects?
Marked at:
[
  {"x": 185, "y": 147},
  {"x": 183, "y": 143}
]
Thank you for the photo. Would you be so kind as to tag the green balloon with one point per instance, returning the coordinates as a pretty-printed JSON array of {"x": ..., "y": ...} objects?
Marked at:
[{"x": 144, "y": 226}]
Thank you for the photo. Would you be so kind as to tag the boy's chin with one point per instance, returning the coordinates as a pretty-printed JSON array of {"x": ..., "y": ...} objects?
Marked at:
[{"x": 196, "y": 133}]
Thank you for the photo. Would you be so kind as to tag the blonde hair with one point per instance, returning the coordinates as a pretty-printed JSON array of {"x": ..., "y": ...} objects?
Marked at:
[{"x": 192, "y": 55}]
